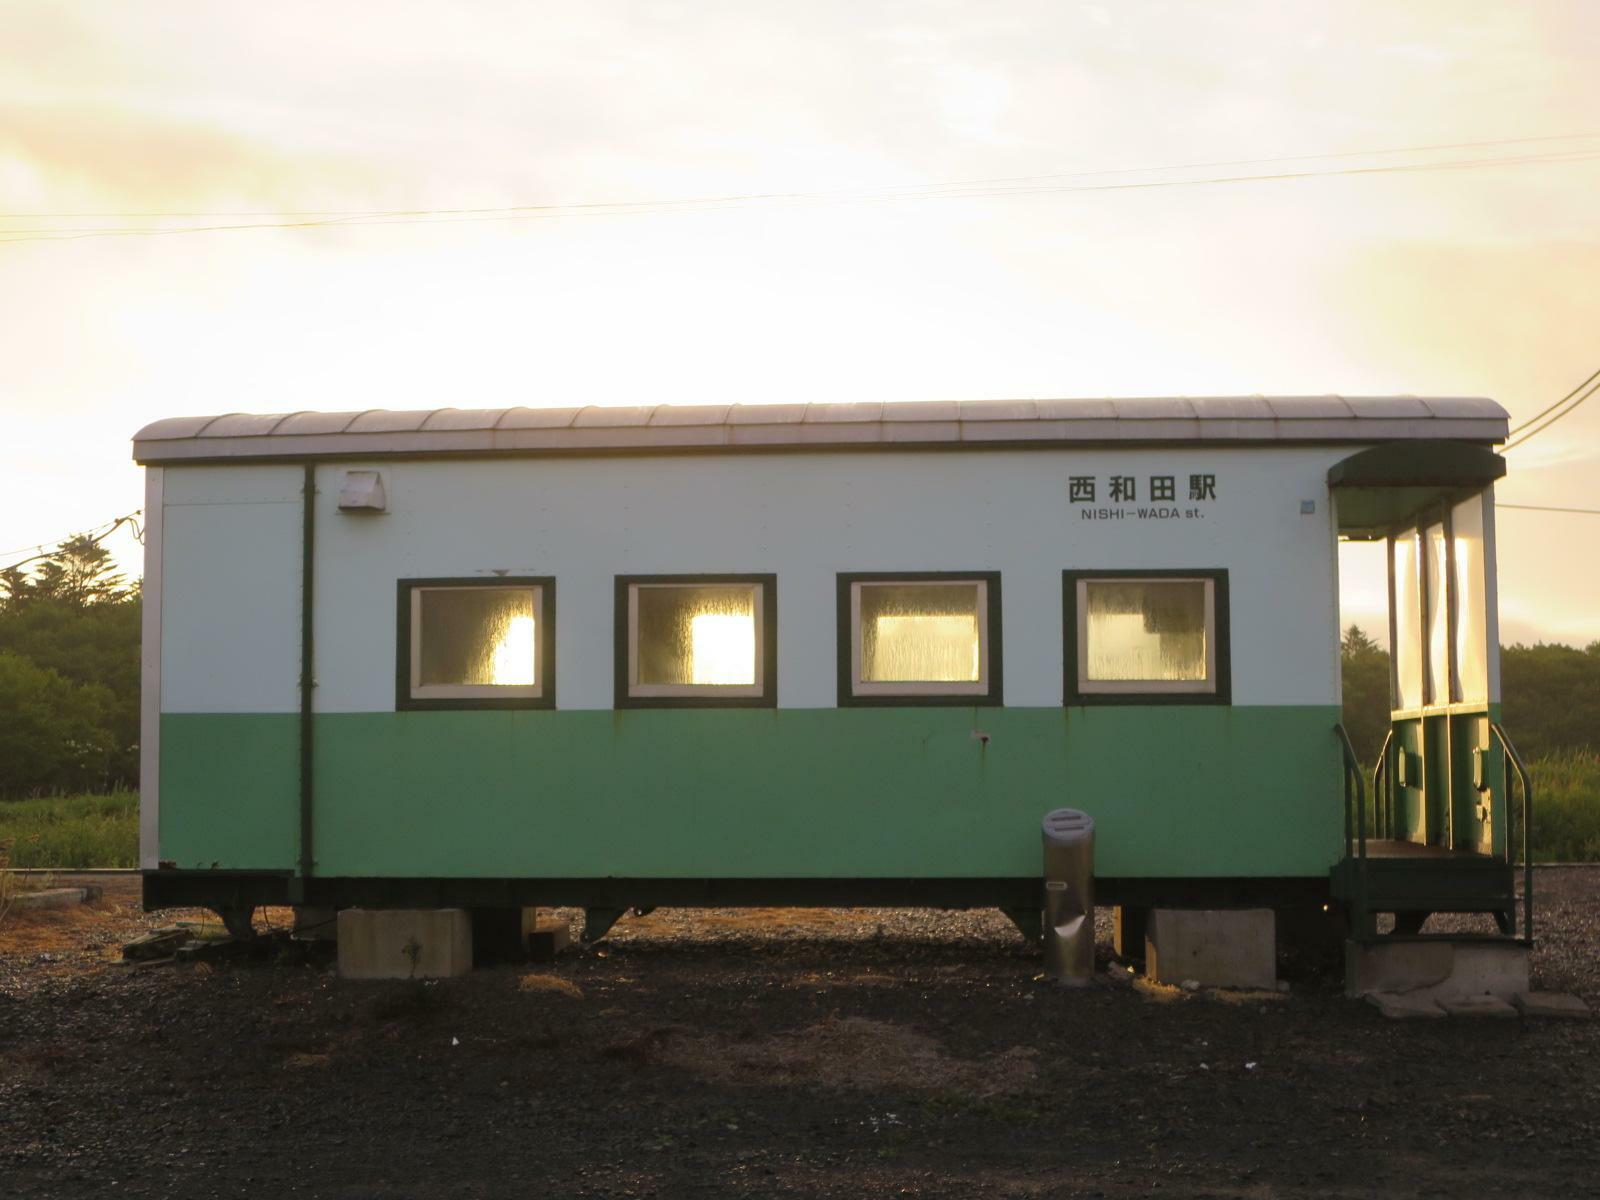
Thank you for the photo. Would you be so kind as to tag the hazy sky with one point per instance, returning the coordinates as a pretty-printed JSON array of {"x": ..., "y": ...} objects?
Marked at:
[{"x": 1452, "y": 282}]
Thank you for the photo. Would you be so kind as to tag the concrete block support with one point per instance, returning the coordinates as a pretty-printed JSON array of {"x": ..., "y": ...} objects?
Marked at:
[
  {"x": 1228, "y": 947},
  {"x": 1437, "y": 970},
  {"x": 404, "y": 943}
]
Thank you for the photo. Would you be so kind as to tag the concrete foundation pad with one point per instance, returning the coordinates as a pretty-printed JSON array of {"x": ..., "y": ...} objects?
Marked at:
[
  {"x": 51, "y": 898},
  {"x": 1223, "y": 947},
  {"x": 1440, "y": 970},
  {"x": 1551, "y": 1004},
  {"x": 1478, "y": 1006},
  {"x": 1402, "y": 1007},
  {"x": 404, "y": 943}
]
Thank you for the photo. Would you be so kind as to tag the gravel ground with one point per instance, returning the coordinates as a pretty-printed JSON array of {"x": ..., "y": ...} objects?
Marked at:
[{"x": 778, "y": 1052}]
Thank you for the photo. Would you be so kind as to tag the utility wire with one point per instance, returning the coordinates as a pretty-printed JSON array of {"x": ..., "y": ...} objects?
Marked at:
[
  {"x": 107, "y": 525},
  {"x": 95, "y": 536},
  {"x": 1556, "y": 405},
  {"x": 974, "y": 190},
  {"x": 1593, "y": 512},
  {"x": 1522, "y": 438},
  {"x": 1189, "y": 166}
]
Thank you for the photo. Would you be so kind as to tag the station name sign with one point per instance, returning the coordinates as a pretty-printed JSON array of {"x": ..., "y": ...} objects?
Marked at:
[{"x": 1118, "y": 497}]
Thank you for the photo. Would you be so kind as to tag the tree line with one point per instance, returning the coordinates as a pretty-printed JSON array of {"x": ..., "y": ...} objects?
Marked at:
[
  {"x": 69, "y": 674},
  {"x": 1550, "y": 696}
]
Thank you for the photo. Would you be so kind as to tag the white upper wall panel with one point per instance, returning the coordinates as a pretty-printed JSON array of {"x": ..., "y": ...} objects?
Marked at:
[
  {"x": 807, "y": 517},
  {"x": 230, "y": 589}
]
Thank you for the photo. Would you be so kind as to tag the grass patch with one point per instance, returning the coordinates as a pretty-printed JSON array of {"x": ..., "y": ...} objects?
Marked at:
[
  {"x": 71, "y": 831},
  {"x": 1566, "y": 808}
]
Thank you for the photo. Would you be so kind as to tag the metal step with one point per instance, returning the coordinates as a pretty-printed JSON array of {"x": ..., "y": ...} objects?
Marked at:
[{"x": 1431, "y": 884}]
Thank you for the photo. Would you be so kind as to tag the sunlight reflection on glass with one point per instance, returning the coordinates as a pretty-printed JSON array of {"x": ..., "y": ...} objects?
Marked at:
[
  {"x": 923, "y": 647},
  {"x": 920, "y": 632},
  {"x": 512, "y": 661},
  {"x": 722, "y": 648},
  {"x": 477, "y": 637},
  {"x": 1147, "y": 630},
  {"x": 696, "y": 635}
]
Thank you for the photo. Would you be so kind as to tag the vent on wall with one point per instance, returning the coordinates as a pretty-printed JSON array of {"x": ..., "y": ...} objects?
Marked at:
[{"x": 362, "y": 491}]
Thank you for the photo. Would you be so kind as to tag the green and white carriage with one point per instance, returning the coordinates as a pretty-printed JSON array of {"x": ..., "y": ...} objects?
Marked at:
[{"x": 818, "y": 654}]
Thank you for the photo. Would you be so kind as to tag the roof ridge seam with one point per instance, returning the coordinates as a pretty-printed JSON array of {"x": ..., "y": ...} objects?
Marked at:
[{"x": 201, "y": 432}]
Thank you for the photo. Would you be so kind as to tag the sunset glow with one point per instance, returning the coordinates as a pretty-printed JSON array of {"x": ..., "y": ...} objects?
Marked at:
[{"x": 831, "y": 283}]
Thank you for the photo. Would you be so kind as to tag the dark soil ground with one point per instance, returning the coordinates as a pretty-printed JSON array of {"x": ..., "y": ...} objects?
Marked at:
[{"x": 837, "y": 1053}]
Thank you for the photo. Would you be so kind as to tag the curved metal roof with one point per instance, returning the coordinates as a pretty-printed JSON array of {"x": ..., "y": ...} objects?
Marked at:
[{"x": 978, "y": 423}]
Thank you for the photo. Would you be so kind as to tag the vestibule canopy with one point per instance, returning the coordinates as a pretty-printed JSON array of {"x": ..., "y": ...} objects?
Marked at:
[{"x": 1385, "y": 487}]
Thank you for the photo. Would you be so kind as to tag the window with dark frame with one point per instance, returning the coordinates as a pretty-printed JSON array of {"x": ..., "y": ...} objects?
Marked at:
[
  {"x": 696, "y": 641},
  {"x": 475, "y": 643},
  {"x": 911, "y": 638},
  {"x": 1146, "y": 637}
]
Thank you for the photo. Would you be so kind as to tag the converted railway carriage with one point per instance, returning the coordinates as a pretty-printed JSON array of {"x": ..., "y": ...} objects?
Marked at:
[{"x": 828, "y": 653}]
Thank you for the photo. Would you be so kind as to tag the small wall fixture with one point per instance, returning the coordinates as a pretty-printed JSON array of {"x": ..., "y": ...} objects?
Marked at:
[{"x": 362, "y": 491}]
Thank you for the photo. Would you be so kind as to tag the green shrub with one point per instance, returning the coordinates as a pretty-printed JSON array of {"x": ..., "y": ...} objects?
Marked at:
[{"x": 52, "y": 730}]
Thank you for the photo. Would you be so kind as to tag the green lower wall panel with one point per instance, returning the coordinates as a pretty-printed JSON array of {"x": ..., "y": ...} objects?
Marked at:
[
  {"x": 753, "y": 793},
  {"x": 230, "y": 790}
]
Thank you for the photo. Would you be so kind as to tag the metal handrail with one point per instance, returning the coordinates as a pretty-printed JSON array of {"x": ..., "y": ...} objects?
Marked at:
[
  {"x": 1352, "y": 772},
  {"x": 1383, "y": 814},
  {"x": 1515, "y": 759}
]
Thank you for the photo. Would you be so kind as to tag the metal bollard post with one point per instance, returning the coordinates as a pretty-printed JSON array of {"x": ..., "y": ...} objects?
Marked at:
[{"x": 1069, "y": 896}]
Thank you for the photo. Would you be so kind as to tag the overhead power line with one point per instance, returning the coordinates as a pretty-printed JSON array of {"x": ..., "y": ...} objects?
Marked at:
[
  {"x": 1592, "y": 512},
  {"x": 969, "y": 189},
  {"x": 1188, "y": 166},
  {"x": 1556, "y": 405},
  {"x": 1521, "y": 438},
  {"x": 95, "y": 535}
]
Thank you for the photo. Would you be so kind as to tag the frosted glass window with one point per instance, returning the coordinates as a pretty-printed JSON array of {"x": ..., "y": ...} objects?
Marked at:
[
  {"x": 1146, "y": 635},
  {"x": 1438, "y": 618},
  {"x": 920, "y": 637},
  {"x": 1406, "y": 605},
  {"x": 1472, "y": 632},
  {"x": 470, "y": 642},
  {"x": 695, "y": 639}
]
